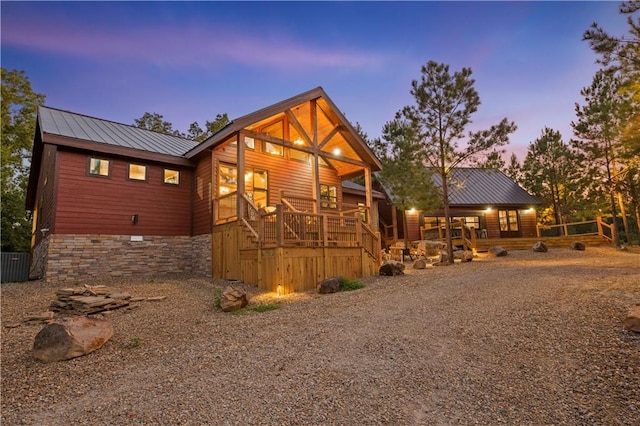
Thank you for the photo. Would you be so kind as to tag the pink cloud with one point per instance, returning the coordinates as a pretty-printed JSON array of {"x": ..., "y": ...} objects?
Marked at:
[{"x": 173, "y": 46}]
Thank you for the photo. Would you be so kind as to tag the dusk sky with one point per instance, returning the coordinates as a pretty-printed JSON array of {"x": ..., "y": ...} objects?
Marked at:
[{"x": 192, "y": 60}]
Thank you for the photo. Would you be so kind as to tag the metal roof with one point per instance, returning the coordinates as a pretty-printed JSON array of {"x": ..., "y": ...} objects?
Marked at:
[
  {"x": 64, "y": 123},
  {"x": 476, "y": 186},
  {"x": 350, "y": 185}
]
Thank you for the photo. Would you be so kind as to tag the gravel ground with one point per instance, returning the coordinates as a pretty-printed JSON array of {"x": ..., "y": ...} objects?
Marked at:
[{"x": 531, "y": 338}]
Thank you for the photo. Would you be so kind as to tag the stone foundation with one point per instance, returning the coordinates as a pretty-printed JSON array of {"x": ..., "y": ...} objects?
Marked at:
[
  {"x": 201, "y": 253},
  {"x": 75, "y": 258}
]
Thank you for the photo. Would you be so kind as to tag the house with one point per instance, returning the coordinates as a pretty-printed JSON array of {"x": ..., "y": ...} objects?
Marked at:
[
  {"x": 484, "y": 200},
  {"x": 260, "y": 201}
]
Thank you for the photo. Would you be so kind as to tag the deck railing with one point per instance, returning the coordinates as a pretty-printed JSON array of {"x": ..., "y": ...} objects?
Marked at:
[
  {"x": 284, "y": 227},
  {"x": 461, "y": 234},
  {"x": 586, "y": 227}
]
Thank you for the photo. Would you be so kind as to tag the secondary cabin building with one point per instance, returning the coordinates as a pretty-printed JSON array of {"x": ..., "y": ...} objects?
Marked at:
[{"x": 260, "y": 201}]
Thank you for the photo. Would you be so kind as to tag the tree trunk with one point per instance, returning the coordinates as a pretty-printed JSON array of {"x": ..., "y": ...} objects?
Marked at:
[
  {"x": 634, "y": 204},
  {"x": 625, "y": 221},
  {"x": 405, "y": 226},
  {"x": 623, "y": 212},
  {"x": 447, "y": 222}
]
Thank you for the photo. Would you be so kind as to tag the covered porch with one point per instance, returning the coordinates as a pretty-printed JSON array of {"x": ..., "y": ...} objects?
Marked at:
[{"x": 279, "y": 218}]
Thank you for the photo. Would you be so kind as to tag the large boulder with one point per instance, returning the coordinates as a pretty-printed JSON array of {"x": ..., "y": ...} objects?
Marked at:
[
  {"x": 497, "y": 251},
  {"x": 540, "y": 247},
  {"x": 329, "y": 285},
  {"x": 233, "y": 299},
  {"x": 632, "y": 322},
  {"x": 392, "y": 268},
  {"x": 420, "y": 263},
  {"x": 463, "y": 255},
  {"x": 577, "y": 245},
  {"x": 71, "y": 337}
]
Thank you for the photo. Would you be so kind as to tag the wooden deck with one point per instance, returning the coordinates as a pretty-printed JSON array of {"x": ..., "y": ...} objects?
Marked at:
[{"x": 284, "y": 251}]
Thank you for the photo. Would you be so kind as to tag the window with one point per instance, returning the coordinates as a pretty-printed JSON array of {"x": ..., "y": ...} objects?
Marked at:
[
  {"x": 508, "y": 220},
  {"x": 99, "y": 167},
  {"x": 249, "y": 142},
  {"x": 260, "y": 186},
  {"x": 171, "y": 177},
  {"x": 137, "y": 172},
  {"x": 299, "y": 155},
  {"x": 328, "y": 196},
  {"x": 274, "y": 149},
  {"x": 277, "y": 131},
  {"x": 227, "y": 179},
  {"x": 227, "y": 192}
]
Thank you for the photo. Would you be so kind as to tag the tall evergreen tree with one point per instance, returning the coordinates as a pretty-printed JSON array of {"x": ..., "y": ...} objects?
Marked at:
[
  {"x": 600, "y": 123},
  {"x": 155, "y": 122},
  {"x": 444, "y": 104},
  {"x": 550, "y": 173},
  {"x": 196, "y": 133},
  {"x": 19, "y": 105},
  {"x": 402, "y": 173}
]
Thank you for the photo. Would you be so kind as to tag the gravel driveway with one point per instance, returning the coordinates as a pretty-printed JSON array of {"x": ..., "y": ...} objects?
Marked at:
[{"x": 531, "y": 338}]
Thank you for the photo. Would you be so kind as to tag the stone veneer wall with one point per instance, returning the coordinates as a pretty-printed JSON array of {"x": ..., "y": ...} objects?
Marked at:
[
  {"x": 202, "y": 255},
  {"x": 72, "y": 258}
]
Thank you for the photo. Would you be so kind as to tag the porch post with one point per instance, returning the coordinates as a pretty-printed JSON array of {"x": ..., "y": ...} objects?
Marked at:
[
  {"x": 240, "y": 177},
  {"x": 316, "y": 152},
  {"x": 367, "y": 184}
]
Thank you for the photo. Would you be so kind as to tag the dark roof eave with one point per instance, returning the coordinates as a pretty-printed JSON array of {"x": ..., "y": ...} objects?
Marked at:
[{"x": 116, "y": 150}]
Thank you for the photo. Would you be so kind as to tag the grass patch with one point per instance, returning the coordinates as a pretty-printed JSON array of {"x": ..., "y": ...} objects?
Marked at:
[
  {"x": 347, "y": 284},
  {"x": 134, "y": 343},
  {"x": 217, "y": 297},
  {"x": 265, "y": 308}
]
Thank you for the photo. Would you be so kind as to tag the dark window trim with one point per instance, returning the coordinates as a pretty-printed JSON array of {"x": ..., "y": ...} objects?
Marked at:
[
  {"x": 169, "y": 183},
  {"x": 146, "y": 172},
  {"x": 110, "y": 168}
]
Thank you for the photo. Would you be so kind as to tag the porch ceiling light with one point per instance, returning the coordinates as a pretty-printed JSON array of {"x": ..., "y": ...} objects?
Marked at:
[
  {"x": 488, "y": 210},
  {"x": 298, "y": 141},
  {"x": 337, "y": 151}
]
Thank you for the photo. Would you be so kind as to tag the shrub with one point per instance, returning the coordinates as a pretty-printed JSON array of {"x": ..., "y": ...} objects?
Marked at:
[{"x": 347, "y": 284}]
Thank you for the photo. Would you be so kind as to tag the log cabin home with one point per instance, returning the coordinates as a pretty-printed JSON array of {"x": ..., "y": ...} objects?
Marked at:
[
  {"x": 264, "y": 200},
  {"x": 486, "y": 206}
]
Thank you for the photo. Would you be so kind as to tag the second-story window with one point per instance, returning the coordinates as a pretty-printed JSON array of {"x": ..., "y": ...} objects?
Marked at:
[
  {"x": 99, "y": 167},
  {"x": 137, "y": 172}
]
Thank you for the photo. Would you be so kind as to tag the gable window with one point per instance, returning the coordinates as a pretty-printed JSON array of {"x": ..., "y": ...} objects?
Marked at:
[
  {"x": 328, "y": 196},
  {"x": 137, "y": 172},
  {"x": 277, "y": 131},
  {"x": 249, "y": 142},
  {"x": 99, "y": 167},
  {"x": 274, "y": 149},
  {"x": 171, "y": 177}
]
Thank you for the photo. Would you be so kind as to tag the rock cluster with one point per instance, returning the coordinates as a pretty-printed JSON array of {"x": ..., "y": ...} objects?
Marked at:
[{"x": 89, "y": 300}]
